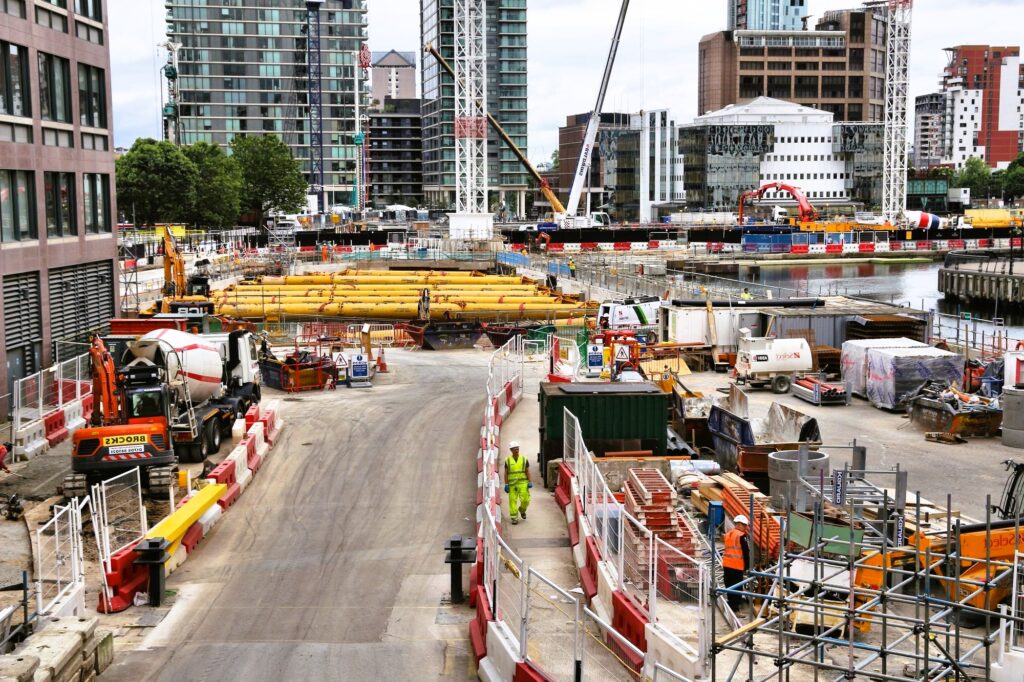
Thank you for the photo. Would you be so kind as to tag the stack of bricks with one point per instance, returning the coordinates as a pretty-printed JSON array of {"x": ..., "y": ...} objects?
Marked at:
[{"x": 651, "y": 499}]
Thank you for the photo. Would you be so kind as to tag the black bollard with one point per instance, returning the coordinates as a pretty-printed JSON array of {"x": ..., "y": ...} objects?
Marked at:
[
  {"x": 459, "y": 551},
  {"x": 153, "y": 553}
]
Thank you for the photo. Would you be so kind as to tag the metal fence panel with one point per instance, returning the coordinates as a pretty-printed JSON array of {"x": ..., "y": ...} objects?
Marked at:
[
  {"x": 119, "y": 513},
  {"x": 57, "y": 555},
  {"x": 551, "y": 628}
]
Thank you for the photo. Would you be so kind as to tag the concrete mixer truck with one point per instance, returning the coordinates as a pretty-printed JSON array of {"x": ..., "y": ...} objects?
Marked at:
[{"x": 172, "y": 397}]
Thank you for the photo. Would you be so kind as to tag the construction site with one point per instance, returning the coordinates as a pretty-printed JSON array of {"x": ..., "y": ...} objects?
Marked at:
[{"x": 302, "y": 456}]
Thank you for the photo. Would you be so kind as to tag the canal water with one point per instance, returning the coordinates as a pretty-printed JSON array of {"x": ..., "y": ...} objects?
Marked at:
[{"x": 913, "y": 284}]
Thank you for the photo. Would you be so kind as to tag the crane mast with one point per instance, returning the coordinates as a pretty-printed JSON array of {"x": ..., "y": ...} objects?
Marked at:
[
  {"x": 590, "y": 134},
  {"x": 894, "y": 171}
]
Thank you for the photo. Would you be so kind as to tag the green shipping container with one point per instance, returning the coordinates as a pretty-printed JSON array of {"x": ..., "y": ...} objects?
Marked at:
[{"x": 613, "y": 417}]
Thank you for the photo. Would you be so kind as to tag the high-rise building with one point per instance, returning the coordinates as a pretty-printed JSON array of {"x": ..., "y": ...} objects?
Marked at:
[
  {"x": 984, "y": 105},
  {"x": 243, "y": 71},
  {"x": 928, "y": 119},
  {"x": 393, "y": 74},
  {"x": 837, "y": 67},
  {"x": 58, "y": 251},
  {"x": 570, "y": 142},
  {"x": 766, "y": 15},
  {"x": 395, "y": 159},
  {"x": 744, "y": 146},
  {"x": 506, "y": 101}
]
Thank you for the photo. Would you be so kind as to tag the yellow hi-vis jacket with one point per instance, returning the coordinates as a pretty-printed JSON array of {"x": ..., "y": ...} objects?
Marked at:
[{"x": 516, "y": 469}]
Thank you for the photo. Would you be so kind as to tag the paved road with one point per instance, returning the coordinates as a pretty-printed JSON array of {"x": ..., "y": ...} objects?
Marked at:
[{"x": 331, "y": 566}]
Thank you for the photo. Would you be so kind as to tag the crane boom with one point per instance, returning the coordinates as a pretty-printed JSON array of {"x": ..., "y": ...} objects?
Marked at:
[
  {"x": 174, "y": 266},
  {"x": 808, "y": 213},
  {"x": 590, "y": 135},
  {"x": 545, "y": 186}
]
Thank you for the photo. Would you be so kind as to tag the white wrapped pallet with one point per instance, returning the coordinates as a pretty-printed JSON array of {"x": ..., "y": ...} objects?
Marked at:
[
  {"x": 894, "y": 373},
  {"x": 854, "y": 360}
]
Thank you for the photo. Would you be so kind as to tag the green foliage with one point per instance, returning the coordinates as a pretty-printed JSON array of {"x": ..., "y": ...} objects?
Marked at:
[
  {"x": 554, "y": 159},
  {"x": 155, "y": 182},
  {"x": 1013, "y": 181},
  {"x": 977, "y": 175},
  {"x": 218, "y": 187},
  {"x": 271, "y": 179}
]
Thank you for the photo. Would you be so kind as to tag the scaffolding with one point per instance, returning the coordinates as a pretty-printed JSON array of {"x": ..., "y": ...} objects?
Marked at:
[{"x": 914, "y": 596}]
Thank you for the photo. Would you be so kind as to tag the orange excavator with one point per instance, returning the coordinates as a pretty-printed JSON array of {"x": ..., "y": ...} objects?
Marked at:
[
  {"x": 808, "y": 214},
  {"x": 128, "y": 428},
  {"x": 181, "y": 293}
]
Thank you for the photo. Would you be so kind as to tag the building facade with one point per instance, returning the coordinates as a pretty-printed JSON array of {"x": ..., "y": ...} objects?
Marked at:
[
  {"x": 929, "y": 113},
  {"x": 506, "y": 101},
  {"x": 570, "y": 142},
  {"x": 393, "y": 74},
  {"x": 984, "y": 105},
  {"x": 837, "y": 67},
  {"x": 743, "y": 147},
  {"x": 243, "y": 71},
  {"x": 766, "y": 15},
  {"x": 58, "y": 251},
  {"x": 395, "y": 158}
]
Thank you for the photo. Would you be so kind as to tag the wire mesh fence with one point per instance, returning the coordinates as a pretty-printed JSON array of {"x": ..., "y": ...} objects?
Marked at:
[
  {"x": 552, "y": 627},
  {"x": 119, "y": 513},
  {"x": 58, "y": 556}
]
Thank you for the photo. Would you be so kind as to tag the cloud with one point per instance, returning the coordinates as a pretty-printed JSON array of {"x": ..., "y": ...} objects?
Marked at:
[{"x": 568, "y": 44}]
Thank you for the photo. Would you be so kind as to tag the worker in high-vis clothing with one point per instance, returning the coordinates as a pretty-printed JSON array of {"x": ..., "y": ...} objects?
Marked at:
[
  {"x": 517, "y": 483},
  {"x": 736, "y": 559}
]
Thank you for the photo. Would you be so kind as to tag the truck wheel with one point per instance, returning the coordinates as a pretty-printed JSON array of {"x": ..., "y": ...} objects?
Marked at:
[
  {"x": 212, "y": 438},
  {"x": 780, "y": 384}
]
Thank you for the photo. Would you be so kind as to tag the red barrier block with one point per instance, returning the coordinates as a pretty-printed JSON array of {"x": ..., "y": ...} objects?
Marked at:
[
  {"x": 833, "y": 248},
  {"x": 525, "y": 672},
  {"x": 564, "y": 487},
  {"x": 251, "y": 416},
  {"x": 124, "y": 579},
  {"x": 866, "y": 248},
  {"x": 588, "y": 574},
  {"x": 478, "y": 626},
  {"x": 621, "y": 246},
  {"x": 224, "y": 472},
  {"x": 588, "y": 246},
  {"x": 556, "y": 247},
  {"x": 192, "y": 537},
  {"x": 800, "y": 248},
  {"x": 55, "y": 429},
  {"x": 87, "y": 407},
  {"x": 629, "y": 621},
  {"x": 895, "y": 246},
  {"x": 230, "y": 496}
]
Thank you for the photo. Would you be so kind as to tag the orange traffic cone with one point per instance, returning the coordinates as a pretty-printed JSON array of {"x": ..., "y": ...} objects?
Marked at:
[{"x": 382, "y": 365}]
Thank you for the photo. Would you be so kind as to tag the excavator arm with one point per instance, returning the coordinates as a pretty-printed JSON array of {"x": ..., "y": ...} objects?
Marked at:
[
  {"x": 808, "y": 213},
  {"x": 104, "y": 385},
  {"x": 175, "y": 283},
  {"x": 545, "y": 186}
]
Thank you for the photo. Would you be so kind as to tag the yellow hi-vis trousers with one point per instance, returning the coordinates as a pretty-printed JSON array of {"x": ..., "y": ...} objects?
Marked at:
[{"x": 518, "y": 498}]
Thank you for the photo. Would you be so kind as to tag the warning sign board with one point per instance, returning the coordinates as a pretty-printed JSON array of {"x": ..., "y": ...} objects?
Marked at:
[{"x": 622, "y": 354}]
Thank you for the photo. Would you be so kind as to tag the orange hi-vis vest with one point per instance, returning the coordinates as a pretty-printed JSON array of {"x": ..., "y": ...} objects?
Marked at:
[{"x": 733, "y": 554}]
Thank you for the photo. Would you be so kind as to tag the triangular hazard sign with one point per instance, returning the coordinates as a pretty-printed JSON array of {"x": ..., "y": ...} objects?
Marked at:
[{"x": 622, "y": 353}]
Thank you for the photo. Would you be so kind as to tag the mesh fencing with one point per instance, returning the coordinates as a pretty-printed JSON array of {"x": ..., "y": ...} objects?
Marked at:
[
  {"x": 119, "y": 513},
  {"x": 58, "y": 557},
  {"x": 551, "y": 628}
]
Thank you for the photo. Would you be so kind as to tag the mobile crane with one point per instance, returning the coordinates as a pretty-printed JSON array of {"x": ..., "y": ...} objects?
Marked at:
[
  {"x": 545, "y": 187},
  {"x": 808, "y": 214}
]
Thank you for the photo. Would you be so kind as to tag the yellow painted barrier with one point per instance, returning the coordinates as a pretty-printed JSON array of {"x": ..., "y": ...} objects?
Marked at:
[{"x": 173, "y": 527}]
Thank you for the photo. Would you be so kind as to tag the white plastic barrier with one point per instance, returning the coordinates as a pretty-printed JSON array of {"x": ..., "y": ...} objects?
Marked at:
[
  {"x": 882, "y": 247},
  {"x": 606, "y": 580},
  {"x": 256, "y": 433},
  {"x": 73, "y": 419},
  {"x": 210, "y": 517},
  {"x": 238, "y": 429},
  {"x": 178, "y": 558},
  {"x": 816, "y": 248},
  {"x": 502, "y": 654},
  {"x": 851, "y": 248},
  {"x": 663, "y": 648},
  {"x": 240, "y": 456},
  {"x": 30, "y": 440}
]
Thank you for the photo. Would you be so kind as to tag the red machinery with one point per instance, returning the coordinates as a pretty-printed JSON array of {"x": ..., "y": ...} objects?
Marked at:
[{"x": 807, "y": 212}]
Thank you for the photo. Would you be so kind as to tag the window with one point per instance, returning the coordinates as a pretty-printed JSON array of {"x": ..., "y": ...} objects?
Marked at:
[
  {"x": 44, "y": 17},
  {"x": 54, "y": 88},
  {"x": 14, "y": 7},
  {"x": 17, "y": 206},
  {"x": 96, "y": 198},
  {"x": 60, "y": 204},
  {"x": 14, "y": 95},
  {"x": 92, "y": 9},
  {"x": 92, "y": 96}
]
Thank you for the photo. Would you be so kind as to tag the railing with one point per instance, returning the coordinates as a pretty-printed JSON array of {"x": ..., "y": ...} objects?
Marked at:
[
  {"x": 50, "y": 389},
  {"x": 989, "y": 337},
  {"x": 59, "y": 556},
  {"x": 118, "y": 514},
  {"x": 656, "y": 576}
]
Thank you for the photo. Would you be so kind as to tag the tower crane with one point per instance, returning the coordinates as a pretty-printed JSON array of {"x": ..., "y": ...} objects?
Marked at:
[
  {"x": 590, "y": 134},
  {"x": 894, "y": 171}
]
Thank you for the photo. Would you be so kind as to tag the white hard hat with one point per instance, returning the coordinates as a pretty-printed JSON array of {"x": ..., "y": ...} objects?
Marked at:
[
  {"x": 513, "y": 445},
  {"x": 741, "y": 519}
]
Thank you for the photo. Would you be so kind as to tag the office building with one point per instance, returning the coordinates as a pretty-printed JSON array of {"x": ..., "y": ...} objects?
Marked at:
[
  {"x": 506, "y": 101},
  {"x": 395, "y": 158},
  {"x": 392, "y": 74},
  {"x": 766, "y": 15},
  {"x": 928, "y": 121},
  {"x": 243, "y": 71},
  {"x": 636, "y": 171},
  {"x": 984, "y": 105},
  {"x": 837, "y": 67},
  {"x": 745, "y": 146},
  {"x": 58, "y": 252}
]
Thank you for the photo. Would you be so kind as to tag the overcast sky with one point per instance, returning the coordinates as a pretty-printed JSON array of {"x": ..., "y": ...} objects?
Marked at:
[{"x": 568, "y": 43}]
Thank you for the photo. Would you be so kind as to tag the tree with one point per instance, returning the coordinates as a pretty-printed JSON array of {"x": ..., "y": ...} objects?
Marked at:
[
  {"x": 977, "y": 176},
  {"x": 554, "y": 160},
  {"x": 271, "y": 178},
  {"x": 1013, "y": 182},
  {"x": 155, "y": 182},
  {"x": 218, "y": 189}
]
